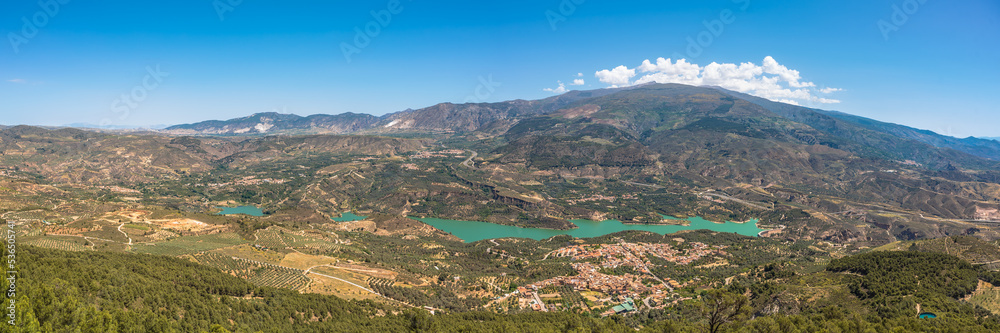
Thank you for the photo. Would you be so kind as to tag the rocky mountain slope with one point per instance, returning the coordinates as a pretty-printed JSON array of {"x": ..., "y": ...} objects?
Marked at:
[
  {"x": 272, "y": 122},
  {"x": 860, "y": 135},
  {"x": 628, "y": 154}
]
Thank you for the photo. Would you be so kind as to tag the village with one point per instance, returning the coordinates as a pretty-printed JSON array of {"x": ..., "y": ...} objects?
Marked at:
[{"x": 616, "y": 292}]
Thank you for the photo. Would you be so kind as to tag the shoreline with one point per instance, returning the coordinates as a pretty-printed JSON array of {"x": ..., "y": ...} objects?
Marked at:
[
  {"x": 688, "y": 224},
  {"x": 508, "y": 225}
]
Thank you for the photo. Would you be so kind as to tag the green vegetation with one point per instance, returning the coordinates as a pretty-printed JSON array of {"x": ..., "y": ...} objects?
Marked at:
[
  {"x": 895, "y": 282},
  {"x": 260, "y": 274},
  {"x": 111, "y": 292},
  {"x": 138, "y": 246},
  {"x": 190, "y": 244}
]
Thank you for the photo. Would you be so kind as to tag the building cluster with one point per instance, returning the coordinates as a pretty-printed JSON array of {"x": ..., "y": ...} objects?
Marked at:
[
  {"x": 641, "y": 284},
  {"x": 590, "y": 279},
  {"x": 598, "y": 197},
  {"x": 255, "y": 181},
  {"x": 10, "y": 173},
  {"x": 627, "y": 287},
  {"x": 635, "y": 254},
  {"x": 628, "y": 305},
  {"x": 988, "y": 214},
  {"x": 119, "y": 189},
  {"x": 442, "y": 153},
  {"x": 245, "y": 181}
]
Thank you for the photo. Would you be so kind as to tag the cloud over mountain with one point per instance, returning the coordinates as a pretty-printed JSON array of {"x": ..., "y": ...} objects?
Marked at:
[
  {"x": 558, "y": 90},
  {"x": 769, "y": 80}
]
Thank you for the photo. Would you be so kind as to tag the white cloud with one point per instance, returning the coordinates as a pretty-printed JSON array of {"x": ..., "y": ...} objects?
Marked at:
[
  {"x": 619, "y": 76},
  {"x": 577, "y": 82},
  {"x": 579, "y": 74},
  {"x": 788, "y": 75},
  {"x": 558, "y": 90},
  {"x": 17, "y": 81},
  {"x": 769, "y": 80}
]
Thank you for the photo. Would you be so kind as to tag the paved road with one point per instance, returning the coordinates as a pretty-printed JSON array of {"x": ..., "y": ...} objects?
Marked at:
[
  {"x": 644, "y": 267},
  {"x": 643, "y": 185},
  {"x": 979, "y": 221},
  {"x": 469, "y": 160},
  {"x": 539, "y": 300}
]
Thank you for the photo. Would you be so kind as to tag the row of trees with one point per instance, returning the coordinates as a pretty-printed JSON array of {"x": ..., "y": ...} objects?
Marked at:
[{"x": 120, "y": 292}]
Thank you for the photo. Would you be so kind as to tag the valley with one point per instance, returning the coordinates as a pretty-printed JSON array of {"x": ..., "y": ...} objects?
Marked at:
[{"x": 617, "y": 203}]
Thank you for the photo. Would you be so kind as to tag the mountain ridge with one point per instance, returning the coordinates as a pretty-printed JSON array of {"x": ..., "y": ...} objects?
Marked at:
[
  {"x": 862, "y": 135},
  {"x": 684, "y": 140}
]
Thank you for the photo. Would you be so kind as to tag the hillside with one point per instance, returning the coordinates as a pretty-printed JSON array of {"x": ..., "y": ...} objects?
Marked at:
[
  {"x": 971, "y": 249},
  {"x": 340, "y": 243},
  {"x": 271, "y": 122},
  {"x": 110, "y": 292},
  {"x": 857, "y": 134},
  {"x": 76, "y": 156},
  {"x": 877, "y": 291},
  {"x": 709, "y": 139},
  {"x": 894, "y": 141},
  {"x": 987, "y": 148},
  {"x": 628, "y": 154}
]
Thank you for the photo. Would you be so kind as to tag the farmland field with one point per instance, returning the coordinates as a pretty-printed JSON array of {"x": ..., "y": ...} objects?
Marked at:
[
  {"x": 108, "y": 232},
  {"x": 299, "y": 241},
  {"x": 246, "y": 251},
  {"x": 60, "y": 243},
  {"x": 190, "y": 244},
  {"x": 305, "y": 261},
  {"x": 271, "y": 239},
  {"x": 261, "y": 274},
  {"x": 326, "y": 285}
]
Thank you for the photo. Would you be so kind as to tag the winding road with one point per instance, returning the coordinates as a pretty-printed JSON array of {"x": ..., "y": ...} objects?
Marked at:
[
  {"x": 126, "y": 234},
  {"x": 469, "y": 160},
  {"x": 309, "y": 271},
  {"x": 643, "y": 185}
]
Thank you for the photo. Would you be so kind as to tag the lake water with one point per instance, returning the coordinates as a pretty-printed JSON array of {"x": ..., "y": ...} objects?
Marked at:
[
  {"x": 349, "y": 216},
  {"x": 246, "y": 210},
  {"x": 471, "y": 231}
]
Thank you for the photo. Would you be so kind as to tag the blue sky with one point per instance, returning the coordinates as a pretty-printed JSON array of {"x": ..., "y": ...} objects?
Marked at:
[{"x": 937, "y": 70}]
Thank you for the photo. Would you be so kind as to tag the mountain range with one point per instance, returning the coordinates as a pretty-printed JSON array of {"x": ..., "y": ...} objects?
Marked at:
[
  {"x": 701, "y": 151},
  {"x": 861, "y": 134}
]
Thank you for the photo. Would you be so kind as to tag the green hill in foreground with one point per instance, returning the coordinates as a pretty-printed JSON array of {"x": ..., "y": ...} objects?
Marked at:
[
  {"x": 972, "y": 249},
  {"x": 62, "y": 291}
]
